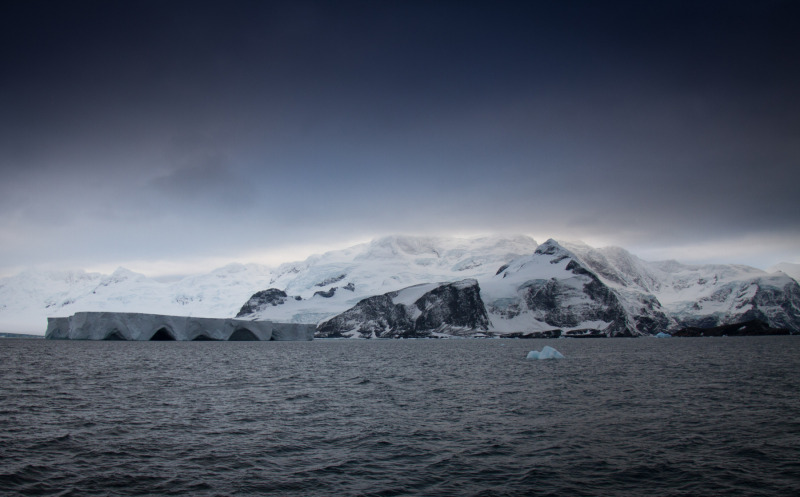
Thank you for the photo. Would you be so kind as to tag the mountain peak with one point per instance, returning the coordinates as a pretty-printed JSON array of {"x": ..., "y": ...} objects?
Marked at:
[
  {"x": 550, "y": 247},
  {"x": 120, "y": 275}
]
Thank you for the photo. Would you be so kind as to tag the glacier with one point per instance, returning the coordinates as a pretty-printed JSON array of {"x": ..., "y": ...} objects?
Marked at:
[
  {"x": 556, "y": 289},
  {"x": 141, "y": 326}
]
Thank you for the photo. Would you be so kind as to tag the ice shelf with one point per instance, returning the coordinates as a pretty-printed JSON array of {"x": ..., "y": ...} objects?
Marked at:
[{"x": 139, "y": 326}]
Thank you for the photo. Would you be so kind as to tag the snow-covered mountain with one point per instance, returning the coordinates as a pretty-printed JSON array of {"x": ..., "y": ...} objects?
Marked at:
[
  {"x": 559, "y": 288},
  {"x": 410, "y": 286},
  {"x": 696, "y": 295},
  {"x": 29, "y": 298},
  {"x": 554, "y": 289},
  {"x": 325, "y": 284},
  {"x": 639, "y": 297}
]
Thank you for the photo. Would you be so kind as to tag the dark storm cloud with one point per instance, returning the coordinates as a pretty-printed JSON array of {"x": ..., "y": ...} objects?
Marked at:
[{"x": 284, "y": 122}]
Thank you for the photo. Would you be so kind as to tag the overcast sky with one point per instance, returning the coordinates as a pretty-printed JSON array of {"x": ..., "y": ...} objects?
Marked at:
[{"x": 178, "y": 136}]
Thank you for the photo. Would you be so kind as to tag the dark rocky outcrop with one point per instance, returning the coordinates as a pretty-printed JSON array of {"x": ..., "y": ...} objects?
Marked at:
[
  {"x": 326, "y": 294},
  {"x": 374, "y": 315},
  {"x": 589, "y": 333},
  {"x": 568, "y": 303},
  {"x": 262, "y": 299},
  {"x": 753, "y": 327},
  {"x": 580, "y": 297},
  {"x": 331, "y": 280},
  {"x": 534, "y": 334},
  {"x": 452, "y": 307},
  {"x": 649, "y": 316},
  {"x": 778, "y": 307}
]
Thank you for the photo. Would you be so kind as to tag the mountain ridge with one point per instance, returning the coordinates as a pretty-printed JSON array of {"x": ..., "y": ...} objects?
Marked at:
[{"x": 608, "y": 284}]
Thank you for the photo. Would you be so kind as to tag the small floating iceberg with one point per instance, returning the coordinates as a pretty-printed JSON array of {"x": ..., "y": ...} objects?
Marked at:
[
  {"x": 661, "y": 334},
  {"x": 547, "y": 352}
]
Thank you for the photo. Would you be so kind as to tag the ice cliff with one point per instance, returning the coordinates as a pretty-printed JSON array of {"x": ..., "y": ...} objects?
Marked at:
[{"x": 140, "y": 326}]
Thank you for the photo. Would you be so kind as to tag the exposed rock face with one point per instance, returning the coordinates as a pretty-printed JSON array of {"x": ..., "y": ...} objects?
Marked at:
[
  {"x": 331, "y": 280},
  {"x": 381, "y": 266},
  {"x": 548, "y": 294},
  {"x": 417, "y": 311},
  {"x": 691, "y": 295},
  {"x": 610, "y": 290},
  {"x": 326, "y": 294},
  {"x": 261, "y": 300},
  {"x": 573, "y": 290},
  {"x": 754, "y": 327},
  {"x": 375, "y": 316},
  {"x": 773, "y": 300},
  {"x": 648, "y": 316},
  {"x": 552, "y": 291},
  {"x": 535, "y": 334},
  {"x": 137, "y": 326},
  {"x": 779, "y": 307},
  {"x": 566, "y": 303},
  {"x": 456, "y": 305}
]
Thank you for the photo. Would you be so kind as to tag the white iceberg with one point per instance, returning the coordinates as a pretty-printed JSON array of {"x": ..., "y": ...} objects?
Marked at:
[{"x": 547, "y": 352}]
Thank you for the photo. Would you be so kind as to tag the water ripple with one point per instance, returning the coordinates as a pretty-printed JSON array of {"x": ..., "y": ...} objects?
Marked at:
[{"x": 381, "y": 418}]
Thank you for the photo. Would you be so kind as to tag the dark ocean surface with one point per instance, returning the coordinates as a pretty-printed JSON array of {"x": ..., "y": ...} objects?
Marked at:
[{"x": 616, "y": 417}]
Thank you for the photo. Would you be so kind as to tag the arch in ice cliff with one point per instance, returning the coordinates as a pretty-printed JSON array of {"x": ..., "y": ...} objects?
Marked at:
[
  {"x": 162, "y": 334},
  {"x": 115, "y": 334},
  {"x": 203, "y": 329},
  {"x": 243, "y": 334}
]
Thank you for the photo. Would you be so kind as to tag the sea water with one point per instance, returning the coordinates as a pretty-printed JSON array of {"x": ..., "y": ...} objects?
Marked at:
[{"x": 622, "y": 417}]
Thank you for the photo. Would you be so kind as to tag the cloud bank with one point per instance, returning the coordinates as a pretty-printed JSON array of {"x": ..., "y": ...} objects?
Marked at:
[{"x": 209, "y": 130}]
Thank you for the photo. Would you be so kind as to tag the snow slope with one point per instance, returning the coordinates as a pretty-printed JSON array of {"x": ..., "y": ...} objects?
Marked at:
[
  {"x": 525, "y": 287},
  {"x": 29, "y": 298},
  {"x": 331, "y": 283},
  {"x": 555, "y": 289},
  {"x": 697, "y": 295},
  {"x": 383, "y": 265},
  {"x": 574, "y": 289}
]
